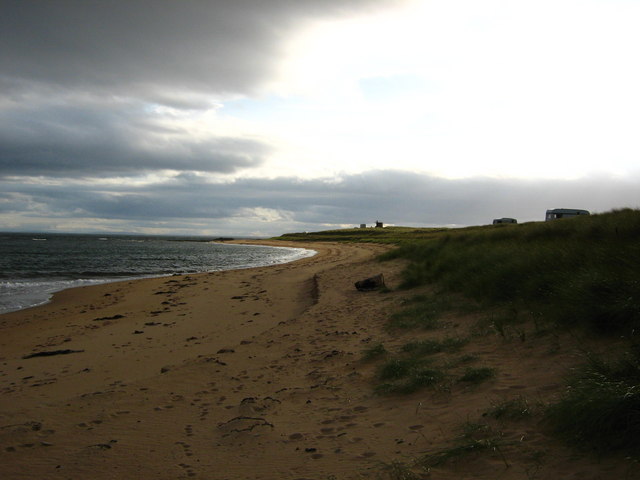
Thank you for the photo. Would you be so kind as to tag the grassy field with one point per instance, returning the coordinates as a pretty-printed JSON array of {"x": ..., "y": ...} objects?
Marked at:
[
  {"x": 392, "y": 235},
  {"x": 579, "y": 273}
]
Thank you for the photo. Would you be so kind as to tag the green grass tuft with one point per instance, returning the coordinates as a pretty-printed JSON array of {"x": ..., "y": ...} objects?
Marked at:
[
  {"x": 475, "y": 439},
  {"x": 600, "y": 409},
  {"x": 399, "y": 471},
  {"x": 477, "y": 374},
  {"x": 399, "y": 368},
  {"x": 514, "y": 409},
  {"x": 374, "y": 352},
  {"x": 422, "y": 312},
  {"x": 414, "y": 367},
  {"x": 412, "y": 381},
  {"x": 429, "y": 346}
]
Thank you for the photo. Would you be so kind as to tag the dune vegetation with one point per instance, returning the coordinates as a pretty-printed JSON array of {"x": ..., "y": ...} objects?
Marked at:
[{"x": 574, "y": 274}]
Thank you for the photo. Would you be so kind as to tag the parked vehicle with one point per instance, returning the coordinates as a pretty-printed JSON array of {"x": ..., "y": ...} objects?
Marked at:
[
  {"x": 496, "y": 221},
  {"x": 564, "y": 213}
]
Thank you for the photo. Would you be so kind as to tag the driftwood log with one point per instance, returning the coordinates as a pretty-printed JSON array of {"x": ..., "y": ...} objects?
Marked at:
[{"x": 371, "y": 283}]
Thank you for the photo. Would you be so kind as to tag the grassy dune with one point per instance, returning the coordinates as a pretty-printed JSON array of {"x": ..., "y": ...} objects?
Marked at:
[
  {"x": 582, "y": 270},
  {"x": 393, "y": 235},
  {"x": 579, "y": 273},
  {"x": 575, "y": 271}
]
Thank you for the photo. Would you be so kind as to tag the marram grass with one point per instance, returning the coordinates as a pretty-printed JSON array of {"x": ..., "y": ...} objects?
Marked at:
[
  {"x": 580, "y": 272},
  {"x": 600, "y": 409}
]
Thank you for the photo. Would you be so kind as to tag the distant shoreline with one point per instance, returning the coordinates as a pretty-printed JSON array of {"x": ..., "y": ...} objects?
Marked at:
[{"x": 88, "y": 263}]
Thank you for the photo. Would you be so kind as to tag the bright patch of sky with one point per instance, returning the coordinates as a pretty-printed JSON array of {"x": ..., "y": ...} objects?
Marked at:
[{"x": 457, "y": 88}]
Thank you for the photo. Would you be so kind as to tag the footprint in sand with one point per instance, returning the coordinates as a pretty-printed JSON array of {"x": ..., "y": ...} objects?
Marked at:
[
  {"x": 186, "y": 448},
  {"x": 253, "y": 405},
  {"x": 204, "y": 411},
  {"x": 245, "y": 424},
  {"x": 89, "y": 425},
  {"x": 345, "y": 418},
  {"x": 188, "y": 468}
]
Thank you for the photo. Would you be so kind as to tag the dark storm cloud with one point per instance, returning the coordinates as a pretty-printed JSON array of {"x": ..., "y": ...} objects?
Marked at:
[
  {"x": 79, "y": 80},
  {"x": 99, "y": 139},
  {"x": 147, "y": 47},
  {"x": 393, "y": 197}
]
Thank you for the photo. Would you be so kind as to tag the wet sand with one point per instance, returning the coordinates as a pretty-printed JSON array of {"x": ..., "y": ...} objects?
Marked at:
[{"x": 257, "y": 374}]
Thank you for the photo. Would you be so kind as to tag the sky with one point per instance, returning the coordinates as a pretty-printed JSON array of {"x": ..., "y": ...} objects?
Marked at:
[{"x": 262, "y": 117}]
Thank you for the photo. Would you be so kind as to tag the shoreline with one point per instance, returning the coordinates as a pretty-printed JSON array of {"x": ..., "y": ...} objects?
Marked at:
[{"x": 48, "y": 287}]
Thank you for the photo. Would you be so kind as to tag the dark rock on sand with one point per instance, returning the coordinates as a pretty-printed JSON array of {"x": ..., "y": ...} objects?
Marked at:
[{"x": 371, "y": 283}]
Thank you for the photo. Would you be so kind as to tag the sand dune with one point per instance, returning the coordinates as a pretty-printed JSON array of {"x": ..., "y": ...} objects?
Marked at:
[{"x": 254, "y": 374}]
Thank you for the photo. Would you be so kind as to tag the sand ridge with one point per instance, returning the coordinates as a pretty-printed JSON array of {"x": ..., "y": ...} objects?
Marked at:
[{"x": 251, "y": 374}]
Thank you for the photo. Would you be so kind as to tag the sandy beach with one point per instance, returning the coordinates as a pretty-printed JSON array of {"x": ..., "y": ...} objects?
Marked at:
[{"x": 257, "y": 374}]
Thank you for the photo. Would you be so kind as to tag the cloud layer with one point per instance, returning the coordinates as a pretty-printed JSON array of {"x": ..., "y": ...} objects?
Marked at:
[
  {"x": 162, "y": 116},
  {"x": 151, "y": 48},
  {"x": 99, "y": 139},
  {"x": 190, "y": 204},
  {"x": 94, "y": 88}
]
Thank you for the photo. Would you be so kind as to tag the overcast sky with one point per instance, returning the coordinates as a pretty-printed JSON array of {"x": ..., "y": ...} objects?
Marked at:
[{"x": 261, "y": 117}]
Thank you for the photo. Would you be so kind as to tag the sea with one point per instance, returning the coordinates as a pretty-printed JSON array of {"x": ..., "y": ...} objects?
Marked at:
[{"x": 34, "y": 266}]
